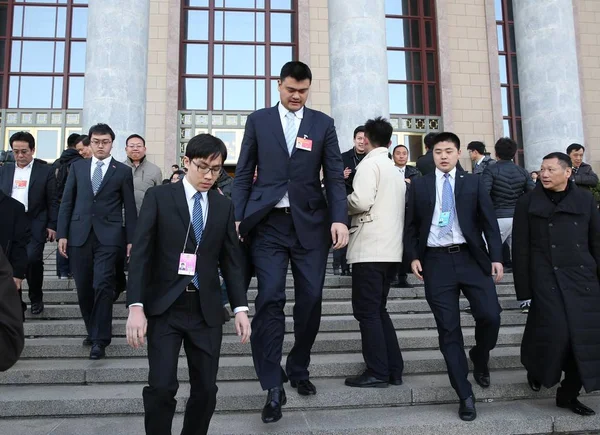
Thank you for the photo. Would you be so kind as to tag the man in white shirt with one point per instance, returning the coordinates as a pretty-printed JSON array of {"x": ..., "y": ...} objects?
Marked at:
[{"x": 446, "y": 215}]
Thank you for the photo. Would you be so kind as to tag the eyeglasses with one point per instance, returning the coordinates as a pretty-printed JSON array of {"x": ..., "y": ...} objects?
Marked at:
[
  {"x": 101, "y": 142},
  {"x": 203, "y": 169}
]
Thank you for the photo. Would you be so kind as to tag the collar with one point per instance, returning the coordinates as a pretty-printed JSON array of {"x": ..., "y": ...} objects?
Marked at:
[
  {"x": 283, "y": 111},
  {"x": 106, "y": 161},
  {"x": 130, "y": 162},
  {"x": 29, "y": 166},
  {"x": 480, "y": 160},
  {"x": 375, "y": 152},
  {"x": 190, "y": 191},
  {"x": 440, "y": 175}
]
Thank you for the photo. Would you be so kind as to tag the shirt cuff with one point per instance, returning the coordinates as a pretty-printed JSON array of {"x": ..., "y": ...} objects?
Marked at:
[
  {"x": 137, "y": 304},
  {"x": 240, "y": 309}
]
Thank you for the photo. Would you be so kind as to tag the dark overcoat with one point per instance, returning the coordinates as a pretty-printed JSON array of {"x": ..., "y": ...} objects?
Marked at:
[{"x": 556, "y": 258}]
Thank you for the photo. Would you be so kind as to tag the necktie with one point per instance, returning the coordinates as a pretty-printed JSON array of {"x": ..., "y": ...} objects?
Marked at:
[
  {"x": 447, "y": 205},
  {"x": 290, "y": 131},
  {"x": 198, "y": 225},
  {"x": 97, "y": 177}
]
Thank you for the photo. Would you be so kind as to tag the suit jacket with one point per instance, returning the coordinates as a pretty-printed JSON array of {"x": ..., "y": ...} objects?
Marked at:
[
  {"x": 12, "y": 338},
  {"x": 43, "y": 206},
  {"x": 81, "y": 211},
  {"x": 426, "y": 165},
  {"x": 264, "y": 147},
  {"x": 154, "y": 278},
  {"x": 350, "y": 161},
  {"x": 584, "y": 176},
  {"x": 14, "y": 234},
  {"x": 475, "y": 213}
]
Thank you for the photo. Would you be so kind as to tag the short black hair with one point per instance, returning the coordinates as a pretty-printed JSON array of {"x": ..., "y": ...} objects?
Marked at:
[
  {"x": 205, "y": 146},
  {"x": 563, "y": 159},
  {"x": 84, "y": 139},
  {"x": 575, "y": 147},
  {"x": 175, "y": 166},
  {"x": 359, "y": 129},
  {"x": 135, "y": 136},
  {"x": 101, "y": 129},
  {"x": 72, "y": 140},
  {"x": 476, "y": 146},
  {"x": 398, "y": 146},
  {"x": 297, "y": 70},
  {"x": 429, "y": 140},
  {"x": 23, "y": 136},
  {"x": 379, "y": 131},
  {"x": 446, "y": 136},
  {"x": 505, "y": 148},
  {"x": 179, "y": 172}
]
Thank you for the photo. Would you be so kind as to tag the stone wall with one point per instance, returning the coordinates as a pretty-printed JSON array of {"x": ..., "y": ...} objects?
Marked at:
[{"x": 319, "y": 54}]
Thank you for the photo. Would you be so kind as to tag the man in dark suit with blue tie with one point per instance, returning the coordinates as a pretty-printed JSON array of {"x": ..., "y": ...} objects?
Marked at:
[
  {"x": 90, "y": 229},
  {"x": 283, "y": 216},
  {"x": 447, "y": 213}
]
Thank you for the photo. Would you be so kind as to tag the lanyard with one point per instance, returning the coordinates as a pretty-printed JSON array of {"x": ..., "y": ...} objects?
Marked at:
[{"x": 186, "y": 239}]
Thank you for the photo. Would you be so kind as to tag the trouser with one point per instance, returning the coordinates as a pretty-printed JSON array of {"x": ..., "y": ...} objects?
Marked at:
[
  {"x": 35, "y": 269},
  {"x": 571, "y": 385}
]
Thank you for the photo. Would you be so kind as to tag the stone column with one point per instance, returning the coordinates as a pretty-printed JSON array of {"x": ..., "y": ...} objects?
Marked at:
[
  {"x": 548, "y": 77},
  {"x": 116, "y": 68},
  {"x": 358, "y": 59}
]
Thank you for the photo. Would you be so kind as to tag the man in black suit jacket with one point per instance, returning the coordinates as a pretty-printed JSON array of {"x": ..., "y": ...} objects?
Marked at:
[
  {"x": 425, "y": 163},
  {"x": 31, "y": 182},
  {"x": 183, "y": 301},
  {"x": 284, "y": 216},
  {"x": 447, "y": 212},
  {"x": 90, "y": 224}
]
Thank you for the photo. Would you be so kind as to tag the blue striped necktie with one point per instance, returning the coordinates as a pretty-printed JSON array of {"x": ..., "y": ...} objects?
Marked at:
[
  {"x": 290, "y": 131},
  {"x": 198, "y": 226},
  {"x": 447, "y": 205},
  {"x": 97, "y": 177}
]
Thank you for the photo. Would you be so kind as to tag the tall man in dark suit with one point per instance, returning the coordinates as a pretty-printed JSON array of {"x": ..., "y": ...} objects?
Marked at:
[
  {"x": 446, "y": 215},
  {"x": 284, "y": 216},
  {"x": 174, "y": 279},
  {"x": 90, "y": 225},
  {"x": 31, "y": 182}
]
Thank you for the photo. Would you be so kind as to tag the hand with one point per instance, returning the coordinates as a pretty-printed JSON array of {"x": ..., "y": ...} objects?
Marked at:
[
  {"x": 407, "y": 180},
  {"x": 136, "y": 327},
  {"x": 347, "y": 173},
  {"x": 62, "y": 247},
  {"x": 18, "y": 282},
  {"x": 237, "y": 230},
  {"x": 242, "y": 326},
  {"x": 128, "y": 251},
  {"x": 50, "y": 235},
  {"x": 339, "y": 235},
  {"x": 498, "y": 270},
  {"x": 417, "y": 269}
]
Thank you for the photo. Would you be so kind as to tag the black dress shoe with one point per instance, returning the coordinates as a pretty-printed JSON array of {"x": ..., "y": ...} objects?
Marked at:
[
  {"x": 576, "y": 406},
  {"x": 272, "y": 409},
  {"x": 97, "y": 352},
  {"x": 305, "y": 387},
  {"x": 37, "y": 307},
  {"x": 87, "y": 341},
  {"x": 395, "y": 380},
  {"x": 481, "y": 373},
  {"x": 533, "y": 384},
  {"x": 346, "y": 272},
  {"x": 366, "y": 381},
  {"x": 467, "y": 411}
]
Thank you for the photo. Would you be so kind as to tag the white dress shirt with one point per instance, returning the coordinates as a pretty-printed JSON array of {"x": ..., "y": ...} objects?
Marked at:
[
  {"x": 454, "y": 237},
  {"x": 21, "y": 181},
  {"x": 285, "y": 201},
  {"x": 104, "y": 167},
  {"x": 401, "y": 171}
]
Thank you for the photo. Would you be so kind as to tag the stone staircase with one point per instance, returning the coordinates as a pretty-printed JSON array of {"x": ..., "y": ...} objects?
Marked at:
[{"x": 56, "y": 389}]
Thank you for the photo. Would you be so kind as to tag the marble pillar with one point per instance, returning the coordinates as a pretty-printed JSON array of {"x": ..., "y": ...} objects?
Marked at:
[
  {"x": 116, "y": 68},
  {"x": 358, "y": 61},
  {"x": 548, "y": 77}
]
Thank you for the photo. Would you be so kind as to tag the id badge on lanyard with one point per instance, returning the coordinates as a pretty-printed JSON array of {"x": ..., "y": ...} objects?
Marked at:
[{"x": 187, "y": 262}]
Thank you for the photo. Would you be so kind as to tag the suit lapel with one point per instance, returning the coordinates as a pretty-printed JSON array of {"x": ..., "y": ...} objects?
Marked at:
[
  {"x": 276, "y": 126},
  {"x": 211, "y": 216},
  {"x": 8, "y": 178},
  {"x": 305, "y": 126},
  {"x": 458, "y": 184},
  {"x": 112, "y": 168},
  {"x": 184, "y": 212}
]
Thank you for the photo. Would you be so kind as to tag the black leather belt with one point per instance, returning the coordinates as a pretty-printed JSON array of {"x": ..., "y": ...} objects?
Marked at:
[
  {"x": 191, "y": 288},
  {"x": 282, "y": 210},
  {"x": 452, "y": 249}
]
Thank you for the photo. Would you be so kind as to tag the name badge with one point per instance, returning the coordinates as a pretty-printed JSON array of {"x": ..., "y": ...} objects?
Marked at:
[
  {"x": 444, "y": 219},
  {"x": 187, "y": 264},
  {"x": 20, "y": 184},
  {"x": 304, "y": 144}
]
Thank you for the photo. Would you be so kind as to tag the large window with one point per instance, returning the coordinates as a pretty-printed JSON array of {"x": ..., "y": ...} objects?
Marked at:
[
  {"x": 412, "y": 57},
  {"x": 42, "y": 45},
  {"x": 509, "y": 77},
  {"x": 232, "y": 52}
]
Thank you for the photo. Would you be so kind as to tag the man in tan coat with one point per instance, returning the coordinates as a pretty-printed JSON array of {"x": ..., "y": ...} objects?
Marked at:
[{"x": 375, "y": 249}]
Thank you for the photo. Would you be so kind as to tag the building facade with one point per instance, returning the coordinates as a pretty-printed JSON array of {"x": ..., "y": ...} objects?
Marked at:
[{"x": 169, "y": 69}]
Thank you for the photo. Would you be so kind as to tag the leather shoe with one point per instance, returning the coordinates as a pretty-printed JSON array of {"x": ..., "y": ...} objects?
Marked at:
[
  {"x": 481, "y": 373},
  {"x": 366, "y": 381},
  {"x": 87, "y": 341},
  {"x": 37, "y": 307},
  {"x": 576, "y": 406},
  {"x": 467, "y": 411},
  {"x": 533, "y": 384},
  {"x": 97, "y": 352},
  {"x": 395, "y": 380},
  {"x": 304, "y": 386},
  {"x": 272, "y": 409}
]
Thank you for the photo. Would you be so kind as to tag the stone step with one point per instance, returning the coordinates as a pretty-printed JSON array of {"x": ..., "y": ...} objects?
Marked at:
[
  {"x": 326, "y": 342},
  {"x": 75, "y": 327},
  {"x": 70, "y": 296},
  {"x": 115, "y": 369},
  {"x": 126, "y": 398},
  {"x": 525, "y": 416}
]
